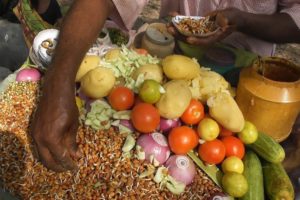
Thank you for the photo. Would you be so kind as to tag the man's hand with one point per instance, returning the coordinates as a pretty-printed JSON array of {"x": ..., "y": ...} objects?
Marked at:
[
  {"x": 227, "y": 20},
  {"x": 56, "y": 119},
  {"x": 55, "y": 126}
]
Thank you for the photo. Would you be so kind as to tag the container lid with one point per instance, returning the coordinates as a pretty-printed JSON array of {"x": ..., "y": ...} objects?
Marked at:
[{"x": 158, "y": 36}]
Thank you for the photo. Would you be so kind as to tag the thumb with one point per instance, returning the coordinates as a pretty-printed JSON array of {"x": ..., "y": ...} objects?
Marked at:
[
  {"x": 71, "y": 144},
  {"x": 221, "y": 20},
  {"x": 212, "y": 14}
]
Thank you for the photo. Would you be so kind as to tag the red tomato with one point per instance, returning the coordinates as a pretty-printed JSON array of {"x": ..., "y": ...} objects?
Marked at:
[
  {"x": 182, "y": 139},
  {"x": 225, "y": 132},
  {"x": 145, "y": 117},
  {"x": 142, "y": 51},
  {"x": 234, "y": 146},
  {"x": 121, "y": 98},
  {"x": 212, "y": 152},
  {"x": 194, "y": 113}
]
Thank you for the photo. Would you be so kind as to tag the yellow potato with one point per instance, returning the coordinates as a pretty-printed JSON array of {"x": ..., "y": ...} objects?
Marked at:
[
  {"x": 98, "y": 82},
  {"x": 224, "y": 109},
  {"x": 175, "y": 100},
  {"x": 150, "y": 71},
  {"x": 207, "y": 84},
  {"x": 89, "y": 62},
  {"x": 112, "y": 54},
  {"x": 180, "y": 67}
]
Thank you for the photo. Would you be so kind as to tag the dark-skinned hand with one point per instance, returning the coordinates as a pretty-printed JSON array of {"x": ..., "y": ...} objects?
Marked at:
[
  {"x": 227, "y": 20},
  {"x": 55, "y": 126}
]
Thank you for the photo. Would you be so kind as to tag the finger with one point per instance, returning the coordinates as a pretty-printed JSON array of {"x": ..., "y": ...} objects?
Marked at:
[
  {"x": 172, "y": 30},
  {"x": 173, "y": 14},
  {"x": 71, "y": 144},
  {"x": 35, "y": 152},
  {"x": 212, "y": 13},
  {"x": 226, "y": 31},
  {"x": 205, "y": 41},
  {"x": 47, "y": 159},
  {"x": 62, "y": 156},
  {"x": 219, "y": 35},
  {"x": 221, "y": 20},
  {"x": 44, "y": 156}
]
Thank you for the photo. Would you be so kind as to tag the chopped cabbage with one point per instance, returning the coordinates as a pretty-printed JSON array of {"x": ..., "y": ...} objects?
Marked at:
[
  {"x": 126, "y": 64},
  {"x": 99, "y": 116}
]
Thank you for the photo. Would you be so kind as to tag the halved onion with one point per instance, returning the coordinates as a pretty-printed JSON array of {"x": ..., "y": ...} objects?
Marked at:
[
  {"x": 181, "y": 168},
  {"x": 155, "y": 146}
]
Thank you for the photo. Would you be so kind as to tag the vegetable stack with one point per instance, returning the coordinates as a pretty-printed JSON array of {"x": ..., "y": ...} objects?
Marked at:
[{"x": 150, "y": 128}]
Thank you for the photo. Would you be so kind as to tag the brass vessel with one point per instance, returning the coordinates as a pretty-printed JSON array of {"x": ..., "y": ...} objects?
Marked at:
[{"x": 268, "y": 94}]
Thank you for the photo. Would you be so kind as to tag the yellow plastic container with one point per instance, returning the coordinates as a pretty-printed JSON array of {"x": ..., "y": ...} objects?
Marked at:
[{"x": 268, "y": 94}]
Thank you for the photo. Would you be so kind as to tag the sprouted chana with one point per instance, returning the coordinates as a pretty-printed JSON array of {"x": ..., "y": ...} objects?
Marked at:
[
  {"x": 103, "y": 173},
  {"x": 197, "y": 26}
]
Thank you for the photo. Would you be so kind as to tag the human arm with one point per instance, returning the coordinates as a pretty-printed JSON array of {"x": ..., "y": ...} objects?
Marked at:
[
  {"x": 275, "y": 28},
  {"x": 56, "y": 119}
]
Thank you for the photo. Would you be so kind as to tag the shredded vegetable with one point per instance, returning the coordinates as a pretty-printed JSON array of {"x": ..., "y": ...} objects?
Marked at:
[
  {"x": 99, "y": 116},
  {"x": 126, "y": 64}
]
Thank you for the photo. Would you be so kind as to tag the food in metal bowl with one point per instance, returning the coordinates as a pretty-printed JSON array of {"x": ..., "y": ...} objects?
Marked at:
[{"x": 195, "y": 26}]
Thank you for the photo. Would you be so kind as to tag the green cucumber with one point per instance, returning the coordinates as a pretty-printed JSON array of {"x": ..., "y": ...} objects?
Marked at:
[
  {"x": 278, "y": 185},
  {"x": 267, "y": 148},
  {"x": 254, "y": 175}
]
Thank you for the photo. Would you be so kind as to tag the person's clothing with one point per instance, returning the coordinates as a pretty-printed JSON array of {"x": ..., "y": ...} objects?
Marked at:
[
  {"x": 31, "y": 21},
  {"x": 239, "y": 40},
  {"x": 127, "y": 11},
  {"x": 53, "y": 13},
  {"x": 6, "y": 10}
]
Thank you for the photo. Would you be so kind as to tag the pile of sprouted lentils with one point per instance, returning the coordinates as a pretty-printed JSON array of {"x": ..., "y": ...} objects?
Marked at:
[{"x": 103, "y": 172}]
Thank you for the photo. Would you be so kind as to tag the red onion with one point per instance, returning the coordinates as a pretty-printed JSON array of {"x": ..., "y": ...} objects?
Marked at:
[
  {"x": 87, "y": 100},
  {"x": 219, "y": 196},
  {"x": 82, "y": 96},
  {"x": 28, "y": 74},
  {"x": 167, "y": 124},
  {"x": 154, "y": 144},
  {"x": 127, "y": 124},
  {"x": 181, "y": 168}
]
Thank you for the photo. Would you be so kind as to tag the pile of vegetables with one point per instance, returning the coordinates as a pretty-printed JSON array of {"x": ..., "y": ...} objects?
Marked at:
[{"x": 185, "y": 116}]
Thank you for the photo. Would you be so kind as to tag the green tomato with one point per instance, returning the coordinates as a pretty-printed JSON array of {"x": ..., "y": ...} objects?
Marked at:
[
  {"x": 149, "y": 91},
  {"x": 233, "y": 164},
  {"x": 249, "y": 133},
  {"x": 234, "y": 184},
  {"x": 208, "y": 129}
]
